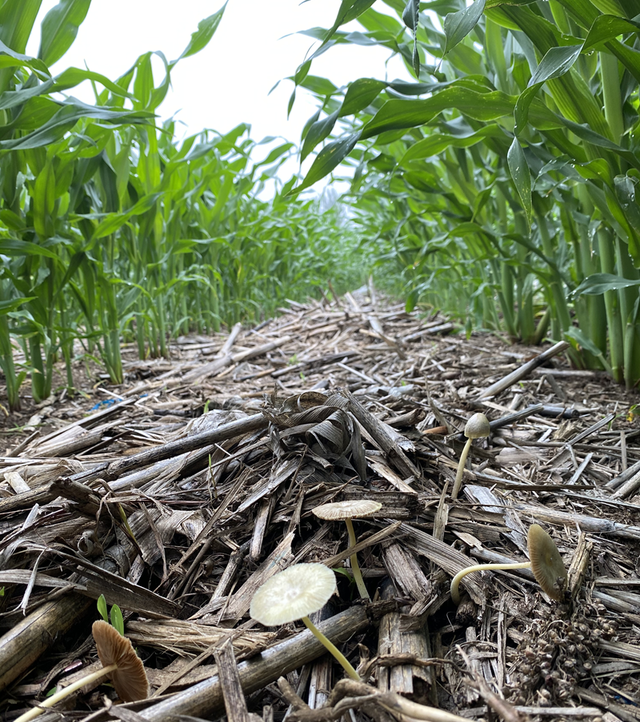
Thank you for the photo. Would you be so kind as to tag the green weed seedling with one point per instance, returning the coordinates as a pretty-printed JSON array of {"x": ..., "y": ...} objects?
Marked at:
[{"x": 117, "y": 620}]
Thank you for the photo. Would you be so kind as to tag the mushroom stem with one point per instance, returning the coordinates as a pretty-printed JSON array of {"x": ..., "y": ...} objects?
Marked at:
[
  {"x": 355, "y": 567},
  {"x": 328, "y": 644},
  {"x": 455, "y": 594},
  {"x": 65, "y": 692},
  {"x": 463, "y": 460}
]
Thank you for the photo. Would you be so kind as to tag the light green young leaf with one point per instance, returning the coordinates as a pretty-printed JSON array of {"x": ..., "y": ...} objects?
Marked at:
[
  {"x": 102, "y": 608},
  {"x": 117, "y": 621}
]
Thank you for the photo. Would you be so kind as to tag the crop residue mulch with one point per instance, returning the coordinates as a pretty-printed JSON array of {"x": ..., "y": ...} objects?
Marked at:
[{"x": 179, "y": 494}]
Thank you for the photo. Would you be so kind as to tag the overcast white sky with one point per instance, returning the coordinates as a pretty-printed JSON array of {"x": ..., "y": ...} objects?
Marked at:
[{"x": 229, "y": 82}]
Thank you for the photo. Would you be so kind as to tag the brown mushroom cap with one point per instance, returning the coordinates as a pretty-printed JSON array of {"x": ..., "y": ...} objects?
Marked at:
[
  {"x": 351, "y": 509},
  {"x": 292, "y": 594},
  {"x": 477, "y": 427},
  {"x": 130, "y": 679},
  {"x": 546, "y": 563}
]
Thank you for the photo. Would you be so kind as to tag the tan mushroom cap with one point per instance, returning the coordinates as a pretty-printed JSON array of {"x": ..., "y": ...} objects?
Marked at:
[
  {"x": 351, "y": 509},
  {"x": 293, "y": 593},
  {"x": 546, "y": 563},
  {"x": 130, "y": 679},
  {"x": 477, "y": 427}
]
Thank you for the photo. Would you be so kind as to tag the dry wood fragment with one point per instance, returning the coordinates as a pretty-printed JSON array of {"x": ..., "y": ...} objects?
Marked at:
[
  {"x": 623, "y": 712},
  {"x": 234, "y": 702},
  {"x": 444, "y": 556},
  {"x": 28, "y": 639},
  {"x": 279, "y": 559},
  {"x": 394, "y": 641},
  {"x": 524, "y": 370},
  {"x": 578, "y": 567},
  {"x": 173, "y": 448}
]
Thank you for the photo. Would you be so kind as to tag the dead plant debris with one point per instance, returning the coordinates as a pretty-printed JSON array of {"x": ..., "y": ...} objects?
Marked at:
[{"x": 179, "y": 494}]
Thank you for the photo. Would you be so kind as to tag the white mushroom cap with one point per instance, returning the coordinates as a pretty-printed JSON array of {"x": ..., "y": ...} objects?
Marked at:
[
  {"x": 291, "y": 594},
  {"x": 477, "y": 427},
  {"x": 351, "y": 509}
]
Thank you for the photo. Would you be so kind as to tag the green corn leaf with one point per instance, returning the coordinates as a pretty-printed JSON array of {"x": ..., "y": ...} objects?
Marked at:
[
  {"x": 625, "y": 190},
  {"x": 16, "y": 22},
  {"x": 581, "y": 338},
  {"x": 12, "y": 59},
  {"x": 411, "y": 16},
  {"x": 599, "y": 283},
  {"x": 318, "y": 131},
  {"x": 69, "y": 114},
  {"x": 116, "y": 220},
  {"x": 44, "y": 198},
  {"x": 437, "y": 142},
  {"x": 12, "y": 220},
  {"x": 349, "y": 10},
  {"x": 14, "y": 304},
  {"x": 71, "y": 77},
  {"x": 329, "y": 158},
  {"x": 555, "y": 63},
  {"x": 60, "y": 27},
  {"x": 360, "y": 94},
  {"x": 458, "y": 25},
  {"x": 318, "y": 85},
  {"x": 519, "y": 169},
  {"x": 202, "y": 36},
  {"x": 12, "y": 98},
  {"x": 15, "y": 247},
  {"x": 608, "y": 27},
  {"x": 401, "y": 114}
]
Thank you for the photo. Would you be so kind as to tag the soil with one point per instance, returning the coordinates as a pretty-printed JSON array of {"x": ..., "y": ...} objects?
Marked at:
[{"x": 179, "y": 493}]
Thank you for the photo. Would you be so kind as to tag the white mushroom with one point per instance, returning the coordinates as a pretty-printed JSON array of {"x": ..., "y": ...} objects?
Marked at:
[
  {"x": 295, "y": 593},
  {"x": 477, "y": 428}
]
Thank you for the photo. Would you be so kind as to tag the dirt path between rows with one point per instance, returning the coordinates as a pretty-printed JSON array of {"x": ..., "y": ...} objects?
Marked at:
[{"x": 179, "y": 493}]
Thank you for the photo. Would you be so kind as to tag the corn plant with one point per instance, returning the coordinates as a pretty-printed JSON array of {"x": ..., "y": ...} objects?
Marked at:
[
  {"x": 508, "y": 168},
  {"x": 111, "y": 228}
]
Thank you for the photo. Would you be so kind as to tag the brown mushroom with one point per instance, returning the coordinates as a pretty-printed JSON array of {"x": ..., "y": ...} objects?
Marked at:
[
  {"x": 348, "y": 510},
  {"x": 546, "y": 564},
  {"x": 119, "y": 661}
]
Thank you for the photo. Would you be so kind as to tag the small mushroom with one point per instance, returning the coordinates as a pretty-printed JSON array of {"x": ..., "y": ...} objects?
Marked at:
[
  {"x": 477, "y": 428},
  {"x": 293, "y": 594},
  {"x": 546, "y": 565},
  {"x": 348, "y": 510},
  {"x": 119, "y": 661}
]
